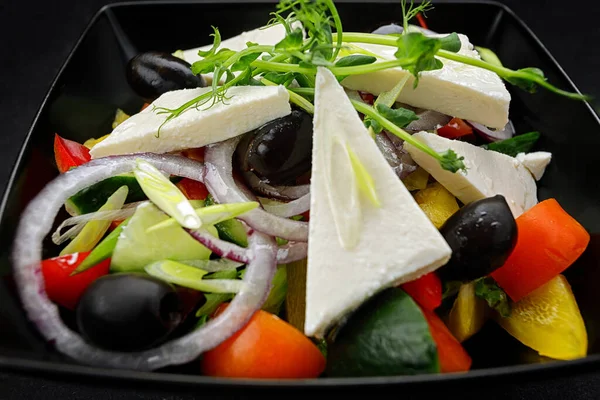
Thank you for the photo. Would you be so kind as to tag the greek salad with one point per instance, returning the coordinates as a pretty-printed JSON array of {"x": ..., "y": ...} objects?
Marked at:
[{"x": 303, "y": 201}]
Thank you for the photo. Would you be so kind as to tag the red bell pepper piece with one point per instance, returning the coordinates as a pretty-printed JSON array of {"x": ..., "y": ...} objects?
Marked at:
[
  {"x": 64, "y": 289},
  {"x": 453, "y": 357},
  {"x": 69, "y": 154},
  {"x": 549, "y": 240},
  {"x": 455, "y": 129},
  {"x": 193, "y": 190},
  {"x": 426, "y": 291}
]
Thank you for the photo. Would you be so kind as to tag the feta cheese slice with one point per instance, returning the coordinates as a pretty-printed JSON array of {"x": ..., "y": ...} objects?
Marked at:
[
  {"x": 488, "y": 173},
  {"x": 396, "y": 241},
  {"x": 247, "y": 108},
  {"x": 457, "y": 89},
  {"x": 535, "y": 162}
]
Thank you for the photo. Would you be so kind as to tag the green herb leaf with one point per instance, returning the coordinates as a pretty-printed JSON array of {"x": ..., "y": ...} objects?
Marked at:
[
  {"x": 515, "y": 145},
  {"x": 165, "y": 195},
  {"x": 401, "y": 117},
  {"x": 355, "y": 59},
  {"x": 292, "y": 41},
  {"x": 525, "y": 78},
  {"x": 451, "y": 42},
  {"x": 487, "y": 289},
  {"x": 245, "y": 61},
  {"x": 279, "y": 78},
  {"x": 450, "y": 161},
  {"x": 373, "y": 124},
  {"x": 418, "y": 51},
  {"x": 215, "y": 46},
  {"x": 488, "y": 56},
  {"x": 209, "y": 64}
]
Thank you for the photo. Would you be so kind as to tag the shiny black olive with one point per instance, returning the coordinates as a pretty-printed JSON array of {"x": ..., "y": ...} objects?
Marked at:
[
  {"x": 481, "y": 235},
  {"x": 153, "y": 73},
  {"x": 279, "y": 151},
  {"x": 128, "y": 312},
  {"x": 388, "y": 29}
]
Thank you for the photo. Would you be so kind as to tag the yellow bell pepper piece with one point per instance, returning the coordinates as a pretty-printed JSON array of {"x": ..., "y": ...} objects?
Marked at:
[
  {"x": 548, "y": 320},
  {"x": 416, "y": 180},
  {"x": 468, "y": 313},
  {"x": 92, "y": 142},
  {"x": 437, "y": 203}
]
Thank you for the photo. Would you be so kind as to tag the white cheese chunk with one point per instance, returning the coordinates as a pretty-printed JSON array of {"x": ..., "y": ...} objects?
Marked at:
[
  {"x": 397, "y": 242},
  {"x": 457, "y": 89},
  {"x": 535, "y": 162},
  {"x": 247, "y": 108},
  {"x": 488, "y": 173}
]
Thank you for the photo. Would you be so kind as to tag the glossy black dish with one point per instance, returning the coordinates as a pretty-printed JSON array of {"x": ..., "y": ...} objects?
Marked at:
[{"x": 92, "y": 84}]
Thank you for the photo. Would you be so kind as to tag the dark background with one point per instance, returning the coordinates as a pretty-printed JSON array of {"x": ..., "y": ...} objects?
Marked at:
[{"x": 36, "y": 37}]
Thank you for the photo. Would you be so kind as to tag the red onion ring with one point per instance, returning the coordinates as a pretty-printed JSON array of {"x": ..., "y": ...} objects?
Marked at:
[
  {"x": 493, "y": 135},
  {"x": 36, "y": 222},
  {"x": 293, "y": 251},
  {"x": 221, "y": 185},
  {"x": 286, "y": 210}
]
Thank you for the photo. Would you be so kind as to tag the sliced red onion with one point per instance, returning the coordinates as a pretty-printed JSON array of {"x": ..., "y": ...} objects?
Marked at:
[
  {"x": 290, "y": 209},
  {"x": 36, "y": 222},
  {"x": 494, "y": 135},
  {"x": 221, "y": 185},
  {"x": 275, "y": 192},
  {"x": 220, "y": 247},
  {"x": 293, "y": 251},
  {"x": 400, "y": 161}
]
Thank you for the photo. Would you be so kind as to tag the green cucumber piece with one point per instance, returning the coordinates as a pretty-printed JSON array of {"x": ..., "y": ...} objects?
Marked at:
[
  {"x": 103, "y": 250},
  {"x": 231, "y": 230},
  {"x": 92, "y": 198},
  {"x": 137, "y": 248},
  {"x": 387, "y": 335}
]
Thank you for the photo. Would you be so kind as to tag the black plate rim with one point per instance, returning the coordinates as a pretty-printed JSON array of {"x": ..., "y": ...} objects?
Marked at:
[{"x": 16, "y": 364}]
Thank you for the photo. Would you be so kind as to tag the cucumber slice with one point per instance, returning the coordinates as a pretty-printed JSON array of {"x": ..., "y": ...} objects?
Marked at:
[
  {"x": 387, "y": 335},
  {"x": 92, "y": 198},
  {"x": 231, "y": 230},
  {"x": 137, "y": 248}
]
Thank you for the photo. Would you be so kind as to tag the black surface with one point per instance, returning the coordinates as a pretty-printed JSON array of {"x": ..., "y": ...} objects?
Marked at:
[{"x": 36, "y": 40}]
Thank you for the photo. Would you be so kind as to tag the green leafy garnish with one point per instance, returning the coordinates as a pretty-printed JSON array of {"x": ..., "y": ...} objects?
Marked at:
[
  {"x": 355, "y": 59},
  {"x": 165, "y": 195},
  {"x": 487, "y": 289},
  {"x": 401, "y": 117},
  {"x": 451, "y": 42},
  {"x": 409, "y": 11},
  {"x": 515, "y": 145},
  {"x": 93, "y": 231}
]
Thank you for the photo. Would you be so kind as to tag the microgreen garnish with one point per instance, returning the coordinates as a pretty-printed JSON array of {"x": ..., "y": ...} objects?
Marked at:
[{"x": 315, "y": 37}]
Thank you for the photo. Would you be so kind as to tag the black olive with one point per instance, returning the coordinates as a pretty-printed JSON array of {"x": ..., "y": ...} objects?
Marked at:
[
  {"x": 153, "y": 73},
  {"x": 279, "y": 151},
  {"x": 388, "y": 29},
  {"x": 128, "y": 311},
  {"x": 481, "y": 235}
]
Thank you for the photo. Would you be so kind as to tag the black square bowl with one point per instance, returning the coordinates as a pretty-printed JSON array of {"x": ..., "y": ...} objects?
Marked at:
[{"x": 91, "y": 85}]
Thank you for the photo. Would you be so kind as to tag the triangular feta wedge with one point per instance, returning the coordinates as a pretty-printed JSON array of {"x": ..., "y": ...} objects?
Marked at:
[{"x": 386, "y": 237}]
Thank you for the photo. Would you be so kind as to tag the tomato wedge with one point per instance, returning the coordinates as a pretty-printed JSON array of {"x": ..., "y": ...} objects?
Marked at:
[
  {"x": 193, "y": 190},
  {"x": 69, "y": 154},
  {"x": 455, "y": 128},
  {"x": 64, "y": 289}
]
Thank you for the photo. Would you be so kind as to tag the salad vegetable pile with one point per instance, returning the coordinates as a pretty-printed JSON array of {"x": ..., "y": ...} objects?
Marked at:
[{"x": 302, "y": 201}]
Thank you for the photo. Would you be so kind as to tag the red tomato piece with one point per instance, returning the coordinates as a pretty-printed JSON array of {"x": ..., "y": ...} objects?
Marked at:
[
  {"x": 64, "y": 289},
  {"x": 69, "y": 154},
  {"x": 426, "y": 291},
  {"x": 193, "y": 190},
  {"x": 455, "y": 129}
]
